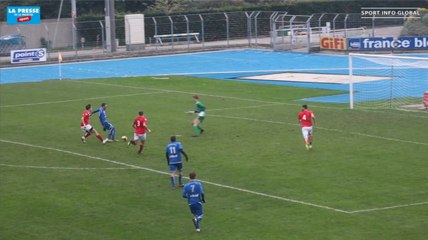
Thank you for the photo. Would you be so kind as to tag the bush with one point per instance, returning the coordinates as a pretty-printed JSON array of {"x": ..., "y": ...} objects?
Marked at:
[{"x": 416, "y": 26}]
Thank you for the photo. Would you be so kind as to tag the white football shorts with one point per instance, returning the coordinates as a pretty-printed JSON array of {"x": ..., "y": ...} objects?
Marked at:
[
  {"x": 141, "y": 137},
  {"x": 86, "y": 128},
  {"x": 307, "y": 131}
]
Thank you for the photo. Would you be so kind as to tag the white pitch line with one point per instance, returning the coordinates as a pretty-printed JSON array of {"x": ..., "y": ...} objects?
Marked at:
[
  {"x": 246, "y": 107},
  {"x": 78, "y": 99},
  {"x": 257, "y": 71},
  {"x": 83, "y": 155},
  {"x": 243, "y": 99},
  {"x": 277, "y": 197},
  {"x": 387, "y": 208},
  {"x": 387, "y": 138},
  {"x": 327, "y": 129},
  {"x": 201, "y": 94},
  {"x": 62, "y": 168},
  {"x": 131, "y": 167},
  {"x": 165, "y": 173},
  {"x": 234, "y": 98},
  {"x": 183, "y": 92}
]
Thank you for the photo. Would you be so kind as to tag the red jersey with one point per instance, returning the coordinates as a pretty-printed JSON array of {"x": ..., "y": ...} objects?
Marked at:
[
  {"x": 140, "y": 124},
  {"x": 85, "y": 116},
  {"x": 305, "y": 118}
]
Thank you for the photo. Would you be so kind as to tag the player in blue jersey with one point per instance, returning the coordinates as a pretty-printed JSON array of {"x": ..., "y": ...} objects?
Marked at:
[
  {"x": 194, "y": 192},
  {"x": 173, "y": 157},
  {"x": 105, "y": 123}
]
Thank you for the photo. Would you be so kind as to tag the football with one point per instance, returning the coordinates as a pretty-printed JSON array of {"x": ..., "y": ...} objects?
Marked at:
[{"x": 124, "y": 138}]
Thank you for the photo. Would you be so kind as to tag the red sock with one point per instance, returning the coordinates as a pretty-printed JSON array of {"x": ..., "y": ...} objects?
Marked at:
[
  {"x": 87, "y": 135},
  {"x": 99, "y": 137},
  {"x": 133, "y": 142},
  {"x": 141, "y": 148}
]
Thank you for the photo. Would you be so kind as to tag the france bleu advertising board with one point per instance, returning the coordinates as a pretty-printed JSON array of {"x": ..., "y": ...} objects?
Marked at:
[
  {"x": 23, "y": 15},
  {"x": 28, "y": 55},
  {"x": 388, "y": 43}
]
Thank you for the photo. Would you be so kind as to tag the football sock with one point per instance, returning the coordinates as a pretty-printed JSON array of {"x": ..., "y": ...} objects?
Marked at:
[
  {"x": 100, "y": 138},
  {"x": 141, "y": 148},
  {"x": 180, "y": 179},
  {"x": 200, "y": 129},
  {"x": 196, "y": 130},
  {"x": 172, "y": 182},
  {"x": 87, "y": 135},
  {"x": 112, "y": 133}
]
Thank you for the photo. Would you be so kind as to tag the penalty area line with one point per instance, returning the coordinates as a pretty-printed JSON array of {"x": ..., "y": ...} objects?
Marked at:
[
  {"x": 62, "y": 168},
  {"x": 387, "y": 208},
  {"x": 326, "y": 129},
  {"x": 165, "y": 173}
]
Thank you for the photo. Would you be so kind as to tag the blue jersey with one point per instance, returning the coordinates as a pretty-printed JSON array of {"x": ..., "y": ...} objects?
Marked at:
[
  {"x": 193, "y": 191},
  {"x": 102, "y": 115},
  {"x": 173, "y": 150}
]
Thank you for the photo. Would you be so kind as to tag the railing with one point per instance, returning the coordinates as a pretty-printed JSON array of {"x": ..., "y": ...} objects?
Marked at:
[{"x": 254, "y": 29}]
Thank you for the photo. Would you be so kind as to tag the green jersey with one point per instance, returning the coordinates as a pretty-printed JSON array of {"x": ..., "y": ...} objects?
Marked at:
[
  {"x": 200, "y": 110},
  {"x": 200, "y": 107}
]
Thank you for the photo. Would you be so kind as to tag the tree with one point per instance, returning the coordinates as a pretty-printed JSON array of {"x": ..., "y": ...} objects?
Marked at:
[
  {"x": 169, "y": 6},
  {"x": 416, "y": 26}
]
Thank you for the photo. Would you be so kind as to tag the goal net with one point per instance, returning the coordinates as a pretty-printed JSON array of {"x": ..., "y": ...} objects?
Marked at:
[{"x": 389, "y": 82}]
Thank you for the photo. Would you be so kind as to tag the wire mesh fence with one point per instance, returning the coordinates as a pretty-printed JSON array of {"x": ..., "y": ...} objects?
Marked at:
[{"x": 81, "y": 38}]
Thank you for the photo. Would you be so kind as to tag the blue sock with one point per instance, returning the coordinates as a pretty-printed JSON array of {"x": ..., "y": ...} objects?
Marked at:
[
  {"x": 112, "y": 133},
  {"x": 172, "y": 181},
  {"x": 180, "y": 179}
]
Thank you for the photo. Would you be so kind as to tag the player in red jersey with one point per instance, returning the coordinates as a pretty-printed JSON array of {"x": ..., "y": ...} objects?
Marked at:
[
  {"x": 307, "y": 121},
  {"x": 86, "y": 126},
  {"x": 140, "y": 131}
]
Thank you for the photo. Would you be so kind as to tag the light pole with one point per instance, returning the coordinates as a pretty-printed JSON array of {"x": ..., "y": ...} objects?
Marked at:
[{"x": 110, "y": 26}]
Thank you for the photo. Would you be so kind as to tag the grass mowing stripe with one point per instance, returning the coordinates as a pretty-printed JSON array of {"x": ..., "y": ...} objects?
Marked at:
[
  {"x": 254, "y": 106},
  {"x": 243, "y": 99},
  {"x": 135, "y": 167},
  {"x": 78, "y": 99},
  {"x": 327, "y": 129},
  {"x": 63, "y": 168},
  {"x": 228, "y": 97},
  {"x": 183, "y": 92},
  {"x": 165, "y": 173}
]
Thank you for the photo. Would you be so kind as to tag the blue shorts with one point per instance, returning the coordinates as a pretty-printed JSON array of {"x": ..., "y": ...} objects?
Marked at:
[
  {"x": 196, "y": 209},
  {"x": 107, "y": 125},
  {"x": 175, "y": 167}
]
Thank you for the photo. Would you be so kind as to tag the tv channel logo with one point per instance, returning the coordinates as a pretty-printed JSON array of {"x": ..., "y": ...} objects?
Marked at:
[{"x": 23, "y": 15}]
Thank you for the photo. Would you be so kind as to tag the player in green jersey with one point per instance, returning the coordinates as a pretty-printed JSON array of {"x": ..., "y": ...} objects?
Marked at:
[{"x": 200, "y": 110}]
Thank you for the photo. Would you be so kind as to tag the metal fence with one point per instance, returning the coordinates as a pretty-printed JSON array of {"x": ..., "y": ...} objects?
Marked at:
[
  {"x": 199, "y": 32},
  {"x": 303, "y": 32}
]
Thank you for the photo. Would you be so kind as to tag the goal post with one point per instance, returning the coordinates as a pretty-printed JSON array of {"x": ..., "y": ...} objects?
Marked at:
[{"x": 387, "y": 81}]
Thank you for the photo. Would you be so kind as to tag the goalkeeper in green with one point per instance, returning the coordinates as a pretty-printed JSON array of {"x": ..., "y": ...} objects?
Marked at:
[{"x": 200, "y": 110}]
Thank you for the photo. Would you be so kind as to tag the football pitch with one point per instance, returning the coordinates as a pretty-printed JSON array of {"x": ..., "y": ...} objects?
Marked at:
[{"x": 365, "y": 178}]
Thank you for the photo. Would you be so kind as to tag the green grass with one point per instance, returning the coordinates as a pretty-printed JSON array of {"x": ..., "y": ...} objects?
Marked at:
[{"x": 58, "y": 188}]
